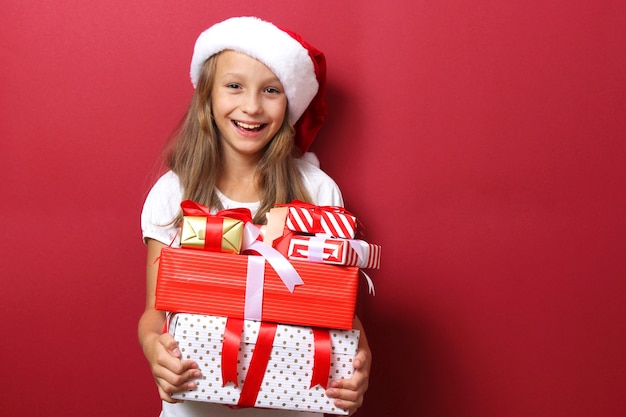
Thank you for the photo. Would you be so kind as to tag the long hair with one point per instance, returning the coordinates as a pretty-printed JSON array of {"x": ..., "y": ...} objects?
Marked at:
[{"x": 195, "y": 155}]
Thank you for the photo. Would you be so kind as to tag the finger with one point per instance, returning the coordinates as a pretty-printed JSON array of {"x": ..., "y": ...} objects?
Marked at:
[
  {"x": 358, "y": 382},
  {"x": 348, "y": 404},
  {"x": 170, "y": 356},
  {"x": 174, "y": 373},
  {"x": 348, "y": 393},
  {"x": 167, "y": 397},
  {"x": 170, "y": 382},
  {"x": 174, "y": 370},
  {"x": 340, "y": 390},
  {"x": 343, "y": 394},
  {"x": 179, "y": 376},
  {"x": 167, "y": 390},
  {"x": 174, "y": 364},
  {"x": 347, "y": 399}
]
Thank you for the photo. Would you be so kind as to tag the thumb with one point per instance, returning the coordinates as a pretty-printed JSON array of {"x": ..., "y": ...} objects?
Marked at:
[
  {"x": 171, "y": 345},
  {"x": 361, "y": 358}
]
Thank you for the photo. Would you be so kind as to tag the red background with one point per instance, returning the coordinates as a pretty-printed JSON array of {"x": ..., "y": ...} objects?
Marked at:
[{"x": 481, "y": 143}]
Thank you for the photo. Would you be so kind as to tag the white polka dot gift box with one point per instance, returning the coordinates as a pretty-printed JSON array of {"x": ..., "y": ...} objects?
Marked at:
[{"x": 248, "y": 363}]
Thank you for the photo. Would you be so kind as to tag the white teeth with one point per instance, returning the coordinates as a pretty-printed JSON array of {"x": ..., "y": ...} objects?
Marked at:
[{"x": 247, "y": 126}]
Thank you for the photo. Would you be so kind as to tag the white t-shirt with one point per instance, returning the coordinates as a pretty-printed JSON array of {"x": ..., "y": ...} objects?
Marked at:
[
  {"x": 163, "y": 202},
  {"x": 162, "y": 206}
]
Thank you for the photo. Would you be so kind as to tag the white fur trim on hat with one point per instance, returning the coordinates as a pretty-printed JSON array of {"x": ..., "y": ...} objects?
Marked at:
[{"x": 288, "y": 59}]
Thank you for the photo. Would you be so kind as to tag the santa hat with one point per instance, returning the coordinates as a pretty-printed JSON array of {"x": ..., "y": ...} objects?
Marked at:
[{"x": 299, "y": 66}]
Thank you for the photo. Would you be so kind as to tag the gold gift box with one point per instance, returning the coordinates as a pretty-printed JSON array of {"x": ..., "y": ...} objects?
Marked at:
[{"x": 194, "y": 231}]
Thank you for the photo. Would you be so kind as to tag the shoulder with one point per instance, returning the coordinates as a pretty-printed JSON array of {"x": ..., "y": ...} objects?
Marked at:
[
  {"x": 323, "y": 189},
  {"x": 166, "y": 191}
]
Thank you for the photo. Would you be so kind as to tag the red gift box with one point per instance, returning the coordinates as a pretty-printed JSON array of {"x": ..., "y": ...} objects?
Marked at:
[
  {"x": 335, "y": 251},
  {"x": 330, "y": 220},
  {"x": 213, "y": 283}
]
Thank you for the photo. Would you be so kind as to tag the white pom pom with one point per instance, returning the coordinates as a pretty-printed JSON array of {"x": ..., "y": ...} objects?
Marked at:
[{"x": 311, "y": 158}]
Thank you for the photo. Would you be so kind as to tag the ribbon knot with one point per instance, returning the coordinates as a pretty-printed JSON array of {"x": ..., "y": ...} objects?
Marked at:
[{"x": 191, "y": 208}]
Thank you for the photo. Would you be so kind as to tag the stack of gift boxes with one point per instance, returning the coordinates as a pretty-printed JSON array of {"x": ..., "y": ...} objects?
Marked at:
[{"x": 265, "y": 311}]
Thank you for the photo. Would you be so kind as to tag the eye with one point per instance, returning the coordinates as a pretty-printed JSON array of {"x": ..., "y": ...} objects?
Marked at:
[
  {"x": 272, "y": 90},
  {"x": 233, "y": 86}
]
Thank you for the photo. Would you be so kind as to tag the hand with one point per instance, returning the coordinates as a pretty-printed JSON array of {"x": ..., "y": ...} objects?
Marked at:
[
  {"x": 349, "y": 393},
  {"x": 170, "y": 372}
]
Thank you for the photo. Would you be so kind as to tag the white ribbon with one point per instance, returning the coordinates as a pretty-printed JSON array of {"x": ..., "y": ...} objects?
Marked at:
[
  {"x": 361, "y": 248},
  {"x": 283, "y": 268},
  {"x": 253, "y": 308},
  {"x": 315, "y": 248},
  {"x": 362, "y": 251},
  {"x": 250, "y": 235},
  {"x": 370, "y": 283},
  {"x": 256, "y": 271}
]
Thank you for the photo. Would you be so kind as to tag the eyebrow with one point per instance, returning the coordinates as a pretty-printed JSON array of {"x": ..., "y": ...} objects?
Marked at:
[{"x": 264, "y": 81}]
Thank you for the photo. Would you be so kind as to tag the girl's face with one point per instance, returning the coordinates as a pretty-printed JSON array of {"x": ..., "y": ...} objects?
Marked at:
[{"x": 249, "y": 104}]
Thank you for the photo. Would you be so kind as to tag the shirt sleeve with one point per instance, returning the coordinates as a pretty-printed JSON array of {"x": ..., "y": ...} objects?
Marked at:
[
  {"x": 323, "y": 189},
  {"x": 160, "y": 209}
]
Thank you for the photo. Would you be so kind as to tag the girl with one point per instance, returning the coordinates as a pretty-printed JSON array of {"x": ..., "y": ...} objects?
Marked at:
[{"x": 257, "y": 105}]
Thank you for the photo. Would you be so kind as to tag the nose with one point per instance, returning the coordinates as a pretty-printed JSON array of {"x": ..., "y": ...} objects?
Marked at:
[{"x": 251, "y": 104}]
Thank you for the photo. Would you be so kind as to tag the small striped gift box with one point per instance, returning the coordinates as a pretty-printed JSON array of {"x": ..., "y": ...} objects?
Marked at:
[
  {"x": 333, "y": 221},
  {"x": 348, "y": 252}
]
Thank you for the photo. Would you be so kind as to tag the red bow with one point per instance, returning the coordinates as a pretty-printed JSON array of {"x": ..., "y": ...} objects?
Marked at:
[
  {"x": 191, "y": 208},
  {"x": 316, "y": 209}
]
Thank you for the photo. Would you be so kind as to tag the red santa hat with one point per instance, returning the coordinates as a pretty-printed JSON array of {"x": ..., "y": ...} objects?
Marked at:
[{"x": 300, "y": 67}]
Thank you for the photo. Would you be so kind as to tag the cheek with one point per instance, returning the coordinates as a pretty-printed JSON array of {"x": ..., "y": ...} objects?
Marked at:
[
  {"x": 223, "y": 103},
  {"x": 279, "y": 111}
]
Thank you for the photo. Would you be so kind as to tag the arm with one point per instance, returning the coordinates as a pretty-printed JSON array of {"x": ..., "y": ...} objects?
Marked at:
[
  {"x": 348, "y": 393},
  {"x": 171, "y": 374}
]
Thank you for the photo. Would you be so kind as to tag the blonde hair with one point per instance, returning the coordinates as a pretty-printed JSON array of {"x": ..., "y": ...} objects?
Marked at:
[{"x": 195, "y": 155}]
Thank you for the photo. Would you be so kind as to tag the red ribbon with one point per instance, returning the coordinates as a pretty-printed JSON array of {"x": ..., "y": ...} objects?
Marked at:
[
  {"x": 261, "y": 356},
  {"x": 230, "y": 350},
  {"x": 258, "y": 364},
  {"x": 213, "y": 234},
  {"x": 316, "y": 209},
  {"x": 304, "y": 204},
  {"x": 321, "y": 358}
]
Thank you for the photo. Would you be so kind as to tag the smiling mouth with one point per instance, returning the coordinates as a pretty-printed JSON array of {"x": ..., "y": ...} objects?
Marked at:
[{"x": 249, "y": 127}]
